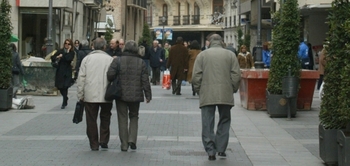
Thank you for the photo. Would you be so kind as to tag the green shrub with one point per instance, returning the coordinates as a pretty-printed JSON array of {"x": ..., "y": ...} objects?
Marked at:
[
  {"x": 146, "y": 34},
  {"x": 5, "y": 52},
  {"x": 335, "y": 111},
  {"x": 285, "y": 46}
]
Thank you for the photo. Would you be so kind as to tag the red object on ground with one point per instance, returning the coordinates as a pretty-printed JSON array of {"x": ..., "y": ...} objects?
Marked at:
[
  {"x": 254, "y": 83},
  {"x": 166, "y": 80}
]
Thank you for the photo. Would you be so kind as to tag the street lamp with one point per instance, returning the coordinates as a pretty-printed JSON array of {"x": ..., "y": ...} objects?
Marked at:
[
  {"x": 163, "y": 34},
  {"x": 259, "y": 64}
]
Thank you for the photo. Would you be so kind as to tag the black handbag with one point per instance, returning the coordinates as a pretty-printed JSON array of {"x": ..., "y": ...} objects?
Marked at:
[
  {"x": 78, "y": 113},
  {"x": 15, "y": 70},
  {"x": 114, "y": 89}
]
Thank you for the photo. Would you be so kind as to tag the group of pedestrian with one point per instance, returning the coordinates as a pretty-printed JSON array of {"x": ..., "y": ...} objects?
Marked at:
[
  {"x": 214, "y": 73},
  {"x": 96, "y": 71}
]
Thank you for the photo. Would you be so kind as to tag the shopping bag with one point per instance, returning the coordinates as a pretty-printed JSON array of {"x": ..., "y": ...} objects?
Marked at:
[{"x": 166, "y": 80}]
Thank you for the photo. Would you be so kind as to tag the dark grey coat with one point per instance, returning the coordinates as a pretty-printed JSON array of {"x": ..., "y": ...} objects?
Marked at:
[
  {"x": 16, "y": 62},
  {"x": 133, "y": 76}
]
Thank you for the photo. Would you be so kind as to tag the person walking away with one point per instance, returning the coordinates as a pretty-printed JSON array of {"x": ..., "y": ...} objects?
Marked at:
[
  {"x": 91, "y": 87},
  {"x": 245, "y": 59},
  {"x": 63, "y": 78},
  {"x": 178, "y": 64},
  {"x": 195, "y": 50},
  {"x": 216, "y": 76},
  {"x": 156, "y": 58},
  {"x": 303, "y": 55},
  {"x": 266, "y": 53},
  {"x": 133, "y": 75},
  {"x": 321, "y": 66},
  {"x": 82, "y": 53},
  {"x": 17, "y": 69},
  {"x": 146, "y": 55},
  {"x": 230, "y": 47}
]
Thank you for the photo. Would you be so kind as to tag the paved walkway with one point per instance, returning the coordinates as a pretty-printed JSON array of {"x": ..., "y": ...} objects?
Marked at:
[{"x": 169, "y": 134}]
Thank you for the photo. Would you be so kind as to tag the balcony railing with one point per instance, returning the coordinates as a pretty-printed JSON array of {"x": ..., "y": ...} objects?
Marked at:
[
  {"x": 195, "y": 19},
  {"x": 141, "y": 3},
  {"x": 176, "y": 20},
  {"x": 186, "y": 20},
  {"x": 165, "y": 22},
  {"x": 149, "y": 20}
]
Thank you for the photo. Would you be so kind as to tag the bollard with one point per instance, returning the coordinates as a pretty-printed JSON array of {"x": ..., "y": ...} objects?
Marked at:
[{"x": 290, "y": 89}]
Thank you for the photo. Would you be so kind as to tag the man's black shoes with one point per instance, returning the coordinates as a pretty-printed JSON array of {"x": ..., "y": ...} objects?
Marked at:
[
  {"x": 132, "y": 145},
  {"x": 104, "y": 146},
  {"x": 212, "y": 157},
  {"x": 222, "y": 154}
]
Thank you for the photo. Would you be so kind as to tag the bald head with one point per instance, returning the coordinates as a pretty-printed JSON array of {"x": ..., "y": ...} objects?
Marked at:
[
  {"x": 121, "y": 43},
  {"x": 215, "y": 37},
  {"x": 113, "y": 44}
]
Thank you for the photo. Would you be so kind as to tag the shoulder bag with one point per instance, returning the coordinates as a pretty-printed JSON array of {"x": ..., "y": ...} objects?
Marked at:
[{"x": 114, "y": 89}]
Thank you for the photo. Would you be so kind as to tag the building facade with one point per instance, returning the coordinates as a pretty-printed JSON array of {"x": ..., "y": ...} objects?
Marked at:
[
  {"x": 232, "y": 22},
  {"x": 127, "y": 16},
  {"x": 190, "y": 19},
  {"x": 74, "y": 19},
  {"x": 71, "y": 19},
  {"x": 313, "y": 27}
]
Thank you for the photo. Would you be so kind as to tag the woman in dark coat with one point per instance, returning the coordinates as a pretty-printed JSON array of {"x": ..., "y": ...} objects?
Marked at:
[
  {"x": 134, "y": 82},
  {"x": 63, "y": 79}
]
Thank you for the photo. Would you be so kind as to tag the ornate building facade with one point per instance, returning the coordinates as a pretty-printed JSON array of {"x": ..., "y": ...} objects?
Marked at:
[{"x": 190, "y": 19}]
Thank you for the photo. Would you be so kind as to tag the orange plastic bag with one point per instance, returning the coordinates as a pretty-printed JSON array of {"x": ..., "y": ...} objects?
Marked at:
[{"x": 166, "y": 80}]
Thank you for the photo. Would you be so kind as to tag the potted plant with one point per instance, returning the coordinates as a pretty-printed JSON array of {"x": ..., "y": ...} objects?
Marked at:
[
  {"x": 285, "y": 44},
  {"x": 146, "y": 35},
  {"x": 335, "y": 111},
  {"x": 5, "y": 56}
]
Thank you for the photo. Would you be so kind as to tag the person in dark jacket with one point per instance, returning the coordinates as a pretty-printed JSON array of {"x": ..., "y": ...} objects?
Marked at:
[
  {"x": 63, "y": 78},
  {"x": 82, "y": 53},
  {"x": 16, "y": 69},
  {"x": 146, "y": 55},
  {"x": 114, "y": 49},
  {"x": 135, "y": 87},
  {"x": 311, "y": 56},
  {"x": 156, "y": 56},
  {"x": 178, "y": 64}
]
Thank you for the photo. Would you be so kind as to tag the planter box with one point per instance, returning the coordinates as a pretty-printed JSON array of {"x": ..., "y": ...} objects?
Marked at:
[
  {"x": 254, "y": 83},
  {"x": 40, "y": 79},
  {"x": 343, "y": 139},
  {"x": 6, "y": 99},
  {"x": 277, "y": 105},
  {"x": 328, "y": 145}
]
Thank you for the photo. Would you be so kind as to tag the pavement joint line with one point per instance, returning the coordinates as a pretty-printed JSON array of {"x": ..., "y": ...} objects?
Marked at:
[{"x": 84, "y": 137}]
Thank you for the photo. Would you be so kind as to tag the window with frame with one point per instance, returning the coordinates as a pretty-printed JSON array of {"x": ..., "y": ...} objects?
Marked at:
[{"x": 165, "y": 10}]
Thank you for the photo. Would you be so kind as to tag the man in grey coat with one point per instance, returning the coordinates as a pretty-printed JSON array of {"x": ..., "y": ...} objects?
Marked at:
[{"x": 216, "y": 76}]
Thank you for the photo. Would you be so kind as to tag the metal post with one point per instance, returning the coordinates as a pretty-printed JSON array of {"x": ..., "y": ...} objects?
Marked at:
[
  {"x": 49, "y": 37},
  {"x": 259, "y": 64},
  {"x": 163, "y": 34}
]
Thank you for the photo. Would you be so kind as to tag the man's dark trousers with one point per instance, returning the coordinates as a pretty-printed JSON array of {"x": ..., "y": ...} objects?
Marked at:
[{"x": 92, "y": 110}]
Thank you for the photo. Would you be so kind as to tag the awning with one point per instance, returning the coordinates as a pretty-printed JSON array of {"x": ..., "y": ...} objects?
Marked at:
[{"x": 13, "y": 38}]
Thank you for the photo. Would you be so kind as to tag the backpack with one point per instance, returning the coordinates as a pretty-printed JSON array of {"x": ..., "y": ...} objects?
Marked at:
[{"x": 142, "y": 50}]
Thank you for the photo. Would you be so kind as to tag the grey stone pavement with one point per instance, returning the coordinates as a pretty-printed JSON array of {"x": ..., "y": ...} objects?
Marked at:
[{"x": 169, "y": 134}]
